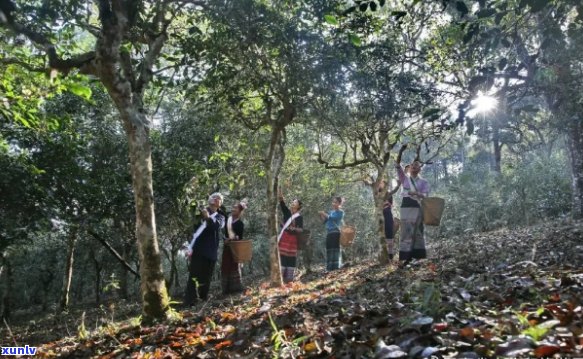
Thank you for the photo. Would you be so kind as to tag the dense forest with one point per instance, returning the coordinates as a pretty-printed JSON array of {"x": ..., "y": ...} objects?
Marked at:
[{"x": 119, "y": 118}]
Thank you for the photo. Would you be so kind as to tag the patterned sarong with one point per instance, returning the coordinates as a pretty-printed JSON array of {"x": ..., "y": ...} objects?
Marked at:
[
  {"x": 333, "y": 253},
  {"x": 412, "y": 244},
  {"x": 288, "y": 268},
  {"x": 230, "y": 273}
]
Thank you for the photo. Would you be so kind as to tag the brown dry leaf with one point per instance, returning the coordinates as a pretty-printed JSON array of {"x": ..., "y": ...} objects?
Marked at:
[
  {"x": 546, "y": 350},
  {"x": 467, "y": 332},
  {"x": 223, "y": 344},
  {"x": 487, "y": 334},
  {"x": 228, "y": 316},
  {"x": 133, "y": 341}
]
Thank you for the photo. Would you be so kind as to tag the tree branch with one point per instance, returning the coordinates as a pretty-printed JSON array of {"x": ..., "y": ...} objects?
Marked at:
[
  {"x": 114, "y": 252},
  {"x": 65, "y": 65},
  {"x": 154, "y": 50},
  {"x": 200, "y": 3},
  {"x": 29, "y": 67}
]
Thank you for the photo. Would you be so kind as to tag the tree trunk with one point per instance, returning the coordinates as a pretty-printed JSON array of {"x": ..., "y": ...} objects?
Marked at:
[
  {"x": 126, "y": 89},
  {"x": 97, "y": 284},
  {"x": 155, "y": 301},
  {"x": 71, "y": 242},
  {"x": 445, "y": 170},
  {"x": 153, "y": 288},
  {"x": 128, "y": 245},
  {"x": 171, "y": 256},
  {"x": 378, "y": 196},
  {"x": 2, "y": 286},
  {"x": 497, "y": 147},
  {"x": 274, "y": 162},
  {"x": 46, "y": 289},
  {"x": 575, "y": 143},
  {"x": 125, "y": 249},
  {"x": 501, "y": 120},
  {"x": 5, "y": 286}
]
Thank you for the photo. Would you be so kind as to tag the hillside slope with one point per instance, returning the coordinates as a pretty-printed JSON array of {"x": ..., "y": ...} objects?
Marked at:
[{"x": 507, "y": 293}]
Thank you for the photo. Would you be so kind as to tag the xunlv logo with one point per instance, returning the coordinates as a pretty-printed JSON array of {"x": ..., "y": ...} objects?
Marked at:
[{"x": 26, "y": 350}]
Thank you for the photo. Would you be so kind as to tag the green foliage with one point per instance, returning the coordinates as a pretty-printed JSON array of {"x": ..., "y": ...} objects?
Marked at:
[
  {"x": 527, "y": 191},
  {"x": 355, "y": 39},
  {"x": 330, "y": 19},
  {"x": 282, "y": 346},
  {"x": 112, "y": 284},
  {"x": 80, "y": 90},
  {"x": 535, "y": 331},
  {"x": 82, "y": 332},
  {"x": 359, "y": 81}
]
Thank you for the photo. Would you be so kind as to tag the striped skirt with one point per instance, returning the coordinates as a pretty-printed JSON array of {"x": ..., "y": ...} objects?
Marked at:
[
  {"x": 288, "y": 268},
  {"x": 412, "y": 239},
  {"x": 333, "y": 253},
  {"x": 231, "y": 281},
  {"x": 388, "y": 217}
]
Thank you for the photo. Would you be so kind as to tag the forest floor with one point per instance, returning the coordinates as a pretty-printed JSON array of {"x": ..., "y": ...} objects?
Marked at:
[{"x": 505, "y": 293}]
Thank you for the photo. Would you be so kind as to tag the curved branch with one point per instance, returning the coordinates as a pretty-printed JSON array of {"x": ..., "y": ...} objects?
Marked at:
[{"x": 8, "y": 8}]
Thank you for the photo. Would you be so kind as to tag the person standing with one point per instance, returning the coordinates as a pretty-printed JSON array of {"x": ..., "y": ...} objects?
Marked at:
[
  {"x": 333, "y": 220},
  {"x": 231, "y": 281},
  {"x": 287, "y": 240},
  {"x": 414, "y": 189},
  {"x": 388, "y": 215},
  {"x": 203, "y": 250}
]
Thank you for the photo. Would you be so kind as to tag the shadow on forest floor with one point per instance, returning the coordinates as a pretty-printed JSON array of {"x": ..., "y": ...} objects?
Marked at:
[{"x": 502, "y": 293}]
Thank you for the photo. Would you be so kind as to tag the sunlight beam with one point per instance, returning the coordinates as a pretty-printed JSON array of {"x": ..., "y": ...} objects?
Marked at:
[{"x": 484, "y": 103}]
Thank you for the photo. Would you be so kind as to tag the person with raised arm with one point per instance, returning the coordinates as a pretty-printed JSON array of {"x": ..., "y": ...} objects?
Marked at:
[
  {"x": 333, "y": 220},
  {"x": 203, "y": 250},
  {"x": 414, "y": 189},
  {"x": 287, "y": 240}
]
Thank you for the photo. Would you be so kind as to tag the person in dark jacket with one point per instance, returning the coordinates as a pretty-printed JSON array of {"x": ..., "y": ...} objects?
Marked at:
[{"x": 203, "y": 250}]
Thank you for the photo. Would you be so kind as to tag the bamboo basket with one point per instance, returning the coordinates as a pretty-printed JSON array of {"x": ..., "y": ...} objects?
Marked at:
[
  {"x": 432, "y": 210},
  {"x": 347, "y": 235},
  {"x": 242, "y": 250}
]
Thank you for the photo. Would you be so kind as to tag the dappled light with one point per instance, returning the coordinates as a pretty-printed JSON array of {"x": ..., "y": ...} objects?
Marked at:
[{"x": 291, "y": 179}]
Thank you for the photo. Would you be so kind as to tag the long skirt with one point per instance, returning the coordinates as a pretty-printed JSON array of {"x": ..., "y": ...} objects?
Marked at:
[
  {"x": 288, "y": 253},
  {"x": 288, "y": 268},
  {"x": 199, "y": 281},
  {"x": 230, "y": 273},
  {"x": 333, "y": 254},
  {"x": 389, "y": 236},
  {"x": 412, "y": 237}
]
